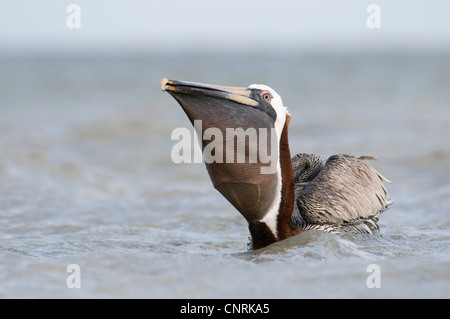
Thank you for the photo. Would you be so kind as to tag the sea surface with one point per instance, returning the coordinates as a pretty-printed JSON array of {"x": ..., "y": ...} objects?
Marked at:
[{"x": 87, "y": 179}]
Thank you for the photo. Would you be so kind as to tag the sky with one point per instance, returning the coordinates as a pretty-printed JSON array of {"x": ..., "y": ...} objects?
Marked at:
[{"x": 225, "y": 25}]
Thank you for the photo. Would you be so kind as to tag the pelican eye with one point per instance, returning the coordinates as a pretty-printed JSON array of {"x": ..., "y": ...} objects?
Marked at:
[{"x": 266, "y": 96}]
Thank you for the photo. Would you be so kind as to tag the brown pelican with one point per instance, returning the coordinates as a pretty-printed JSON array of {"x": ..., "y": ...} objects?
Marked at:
[{"x": 340, "y": 194}]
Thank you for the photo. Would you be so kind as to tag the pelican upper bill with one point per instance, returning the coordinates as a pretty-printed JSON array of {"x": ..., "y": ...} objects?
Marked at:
[{"x": 284, "y": 196}]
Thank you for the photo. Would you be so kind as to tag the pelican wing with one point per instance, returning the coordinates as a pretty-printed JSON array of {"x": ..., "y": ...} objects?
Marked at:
[{"x": 346, "y": 191}]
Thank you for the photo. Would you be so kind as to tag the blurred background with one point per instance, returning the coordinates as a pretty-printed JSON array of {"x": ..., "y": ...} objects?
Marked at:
[{"x": 85, "y": 170}]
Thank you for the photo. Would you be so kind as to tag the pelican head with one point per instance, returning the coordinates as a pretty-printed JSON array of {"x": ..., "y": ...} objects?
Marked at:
[{"x": 254, "y": 118}]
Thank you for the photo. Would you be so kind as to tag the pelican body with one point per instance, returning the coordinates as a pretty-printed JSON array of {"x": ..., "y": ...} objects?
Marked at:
[{"x": 340, "y": 194}]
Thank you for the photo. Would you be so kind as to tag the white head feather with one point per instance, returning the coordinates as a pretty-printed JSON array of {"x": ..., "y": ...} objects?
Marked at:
[{"x": 277, "y": 105}]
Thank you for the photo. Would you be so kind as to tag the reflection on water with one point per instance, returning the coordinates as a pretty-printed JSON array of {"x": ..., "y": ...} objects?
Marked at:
[{"x": 86, "y": 177}]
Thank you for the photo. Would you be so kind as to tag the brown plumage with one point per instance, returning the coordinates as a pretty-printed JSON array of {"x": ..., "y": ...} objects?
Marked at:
[{"x": 341, "y": 194}]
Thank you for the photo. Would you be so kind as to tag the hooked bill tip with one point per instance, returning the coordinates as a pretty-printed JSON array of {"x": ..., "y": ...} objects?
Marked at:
[{"x": 163, "y": 84}]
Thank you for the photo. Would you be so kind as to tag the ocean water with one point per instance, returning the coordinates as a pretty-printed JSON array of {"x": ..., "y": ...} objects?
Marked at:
[{"x": 86, "y": 178}]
